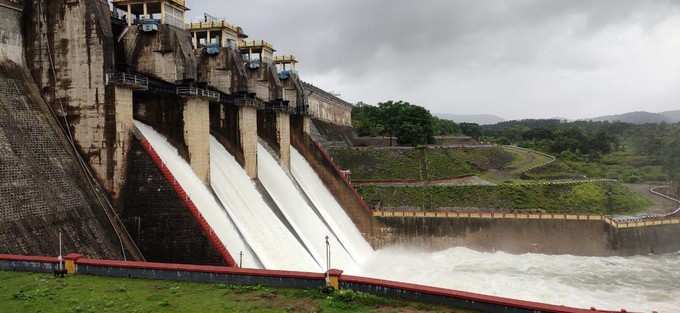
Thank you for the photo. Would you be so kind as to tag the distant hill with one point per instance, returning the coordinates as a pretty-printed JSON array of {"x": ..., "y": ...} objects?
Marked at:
[
  {"x": 674, "y": 116},
  {"x": 641, "y": 117},
  {"x": 481, "y": 119}
]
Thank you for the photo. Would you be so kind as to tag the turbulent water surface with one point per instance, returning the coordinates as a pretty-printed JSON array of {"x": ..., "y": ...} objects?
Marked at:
[
  {"x": 244, "y": 222},
  {"x": 641, "y": 283}
]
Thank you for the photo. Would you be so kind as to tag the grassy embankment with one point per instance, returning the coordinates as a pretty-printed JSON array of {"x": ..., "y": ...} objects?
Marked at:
[
  {"x": 29, "y": 292},
  {"x": 503, "y": 166},
  {"x": 585, "y": 198},
  {"x": 625, "y": 166},
  {"x": 420, "y": 164}
]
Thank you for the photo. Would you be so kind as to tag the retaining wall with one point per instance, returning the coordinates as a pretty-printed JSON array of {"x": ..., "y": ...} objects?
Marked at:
[
  {"x": 285, "y": 279},
  {"x": 587, "y": 235}
]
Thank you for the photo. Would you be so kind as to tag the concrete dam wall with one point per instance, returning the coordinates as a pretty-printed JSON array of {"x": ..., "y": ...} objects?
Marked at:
[
  {"x": 547, "y": 236},
  {"x": 42, "y": 188}
]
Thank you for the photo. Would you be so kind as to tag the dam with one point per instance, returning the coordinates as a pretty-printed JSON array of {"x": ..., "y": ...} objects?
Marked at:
[{"x": 157, "y": 140}]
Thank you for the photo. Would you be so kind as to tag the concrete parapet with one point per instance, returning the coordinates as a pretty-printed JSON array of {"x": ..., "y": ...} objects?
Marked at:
[
  {"x": 290, "y": 279},
  {"x": 327, "y": 107},
  {"x": 197, "y": 135}
]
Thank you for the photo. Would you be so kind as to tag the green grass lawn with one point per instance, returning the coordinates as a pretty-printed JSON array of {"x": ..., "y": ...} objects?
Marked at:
[
  {"x": 30, "y": 292},
  {"x": 584, "y": 198}
]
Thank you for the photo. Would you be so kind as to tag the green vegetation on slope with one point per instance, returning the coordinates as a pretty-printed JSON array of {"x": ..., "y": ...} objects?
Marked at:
[
  {"x": 29, "y": 292},
  {"x": 627, "y": 152},
  {"x": 420, "y": 164},
  {"x": 595, "y": 198},
  {"x": 625, "y": 166}
]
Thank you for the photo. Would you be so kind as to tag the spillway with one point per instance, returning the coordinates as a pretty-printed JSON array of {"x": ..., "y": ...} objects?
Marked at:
[
  {"x": 206, "y": 203},
  {"x": 328, "y": 208},
  {"x": 272, "y": 242},
  {"x": 305, "y": 221}
]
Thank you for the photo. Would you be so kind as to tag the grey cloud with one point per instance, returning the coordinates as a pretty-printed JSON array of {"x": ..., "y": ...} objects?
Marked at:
[{"x": 513, "y": 58}]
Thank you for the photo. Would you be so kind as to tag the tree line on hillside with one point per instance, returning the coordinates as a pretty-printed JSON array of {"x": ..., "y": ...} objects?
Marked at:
[
  {"x": 578, "y": 141},
  {"x": 588, "y": 141},
  {"x": 410, "y": 124}
]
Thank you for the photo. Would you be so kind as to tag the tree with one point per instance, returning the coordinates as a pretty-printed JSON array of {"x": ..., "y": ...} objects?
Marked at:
[
  {"x": 471, "y": 129},
  {"x": 411, "y": 124},
  {"x": 442, "y": 127}
]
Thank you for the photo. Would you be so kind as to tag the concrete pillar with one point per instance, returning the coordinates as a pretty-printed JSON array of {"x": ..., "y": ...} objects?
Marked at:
[
  {"x": 333, "y": 278},
  {"x": 122, "y": 101},
  {"x": 129, "y": 15},
  {"x": 162, "y": 12},
  {"x": 283, "y": 134},
  {"x": 247, "y": 121},
  {"x": 197, "y": 136},
  {"x": 306, "y": 124}
]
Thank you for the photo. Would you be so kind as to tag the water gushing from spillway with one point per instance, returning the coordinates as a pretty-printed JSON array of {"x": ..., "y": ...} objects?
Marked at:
[
  {"x": 307, "y": 219},
  {"x": 639, "y": 283},
  {"x": 244, "y": 221},
  {"x": 272, "y": 242},
  {"x": 212, "y": 210}
]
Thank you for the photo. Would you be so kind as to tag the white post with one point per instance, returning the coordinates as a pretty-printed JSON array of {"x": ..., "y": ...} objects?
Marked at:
[{"x": 60, "y": 258}]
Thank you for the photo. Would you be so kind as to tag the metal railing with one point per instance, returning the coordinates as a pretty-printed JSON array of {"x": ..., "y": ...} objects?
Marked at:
[
  {"x": 126, "y": 79},
  {"x": 279, "y": 105},
  {"x": 198, "y": 92},
  {"x": 301, "y": 109}
]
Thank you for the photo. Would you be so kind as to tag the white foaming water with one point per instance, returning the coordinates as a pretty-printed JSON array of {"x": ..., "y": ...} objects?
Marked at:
[
  {"x": 329, "y": 209},
  {"x": 305, "y": 222},
  {"x": 640, "y": 283},
  {"x": 275, "y": 246},
  {"x": 200, "y": 195}
]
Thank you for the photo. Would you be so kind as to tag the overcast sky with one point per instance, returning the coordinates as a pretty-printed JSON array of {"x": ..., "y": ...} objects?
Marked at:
[{"x": 515, "y": 59}]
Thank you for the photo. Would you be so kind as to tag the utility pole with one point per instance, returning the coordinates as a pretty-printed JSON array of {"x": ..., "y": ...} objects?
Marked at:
[{"x": 328, "y": 261}]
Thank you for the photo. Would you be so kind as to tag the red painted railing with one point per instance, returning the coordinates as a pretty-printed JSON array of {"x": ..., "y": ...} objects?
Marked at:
[
  {"x": 347, "y": 279},
  {"x": 184, "y": 197}
]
